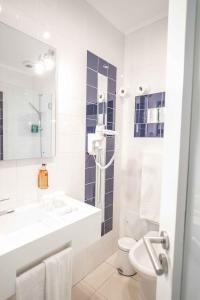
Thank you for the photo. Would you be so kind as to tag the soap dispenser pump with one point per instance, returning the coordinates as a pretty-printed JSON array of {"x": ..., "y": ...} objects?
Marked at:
[{"x": 43, "y": 177}]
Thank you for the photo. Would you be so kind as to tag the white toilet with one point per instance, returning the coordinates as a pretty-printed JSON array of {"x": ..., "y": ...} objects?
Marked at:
[{"x": 141, "y": 262}]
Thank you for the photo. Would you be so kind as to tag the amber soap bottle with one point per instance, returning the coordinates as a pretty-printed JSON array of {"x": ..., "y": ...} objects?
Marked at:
[{"x": 43, "y": 177}]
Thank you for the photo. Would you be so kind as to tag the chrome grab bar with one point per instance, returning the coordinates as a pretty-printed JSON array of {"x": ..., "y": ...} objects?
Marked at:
[{"x": 160, "y": 263}]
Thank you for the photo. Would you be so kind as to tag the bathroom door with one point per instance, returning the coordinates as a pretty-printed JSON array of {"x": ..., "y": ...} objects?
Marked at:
[{"x": 176, "y": 181}]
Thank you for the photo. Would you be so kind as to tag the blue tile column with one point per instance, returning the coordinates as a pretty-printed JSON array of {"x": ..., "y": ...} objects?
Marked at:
[{"x": 97, "y": 65}]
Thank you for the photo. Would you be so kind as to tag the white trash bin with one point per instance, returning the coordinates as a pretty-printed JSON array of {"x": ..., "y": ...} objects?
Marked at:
[{"x": 124, "y": 266}]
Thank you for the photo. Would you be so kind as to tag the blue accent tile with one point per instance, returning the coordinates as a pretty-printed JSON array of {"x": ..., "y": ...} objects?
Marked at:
[
  {"x": 108, "y": 212},
  {"x": 111, "y": 86},
  {"x": 91, "y": 94},
  {"x": 141, "y": 116},
  {"x": 111, "y": 104},
  {"x": 140, "y": 130},
  {"x": 89, "y": 161},
  {"x": 90, "y": 126},
  {"x": 107, "y": 110},
  {"x": 161, "y": 129},
  {"x": 92, "y": 78},
  {"x": 1, "y": 127},
  {"x": 109, "y": 185},
  {"x": 108, "y": 226},
  {"x": 110, "y": 172},
  {"x": 155, "y": 100},
  {"x": 109, "y": 155},
  {"x": 110, "y": 115},
  {"x": 91, "y": 111},
  {"x": 89, "y": 191},
  {"x": 152, "y": 130},
  {"x": 112, "y": 72},
  {"x": 90, "y": 175},
  {"x": 110, "y": 126},
  {"x": 141, "y": 102},
  {"x": 163, "y": 99},
  {"x": 110, "y": 143},
  {"x": 101, "y": 107},
  {"x": 92, "y": 61},
  {"x": 111, "y": 97},
  {"x": 102, "y": 229},
  {"x": 91, "y": 201},
  {"x": 103, "y": 67},
  {"x": 108, "y": 199}
]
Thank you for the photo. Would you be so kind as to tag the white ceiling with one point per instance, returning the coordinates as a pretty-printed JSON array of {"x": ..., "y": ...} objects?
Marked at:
[{"x": 129, "y": 15}]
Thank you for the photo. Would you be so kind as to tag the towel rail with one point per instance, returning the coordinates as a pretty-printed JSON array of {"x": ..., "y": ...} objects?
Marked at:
[{"x": 39, "y": 261}]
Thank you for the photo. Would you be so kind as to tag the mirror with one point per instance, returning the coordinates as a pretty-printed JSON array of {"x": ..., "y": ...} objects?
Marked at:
[{"x": 27, "y": 96}]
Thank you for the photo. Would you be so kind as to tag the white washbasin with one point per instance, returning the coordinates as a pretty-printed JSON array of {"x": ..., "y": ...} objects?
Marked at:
[
  {"x": 140, "y": 260},
  {"x": 58, "y": 204},
  {"x": 19, "y": 219},
  {"x": 47, "y": 212},
  {"x": 37, "y": 230}
]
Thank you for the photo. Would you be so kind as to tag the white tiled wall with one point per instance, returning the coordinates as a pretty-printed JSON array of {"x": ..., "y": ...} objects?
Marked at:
[
  {"x": 75, "y": 28},
  {"x": 145, "y": 58}
]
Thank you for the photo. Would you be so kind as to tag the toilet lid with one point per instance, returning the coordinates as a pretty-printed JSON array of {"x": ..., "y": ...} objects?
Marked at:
[{"x": 126, "y": 243}]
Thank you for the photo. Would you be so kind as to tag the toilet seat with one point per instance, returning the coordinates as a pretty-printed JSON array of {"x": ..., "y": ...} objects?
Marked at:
[{"x": 126, "y": 243}]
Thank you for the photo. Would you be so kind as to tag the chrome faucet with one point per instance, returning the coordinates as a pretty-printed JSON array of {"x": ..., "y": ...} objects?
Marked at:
[{"x": 5, "y": 211}]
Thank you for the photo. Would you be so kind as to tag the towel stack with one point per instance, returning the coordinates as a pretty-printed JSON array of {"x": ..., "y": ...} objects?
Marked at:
[{"x": 51, "y": 280}]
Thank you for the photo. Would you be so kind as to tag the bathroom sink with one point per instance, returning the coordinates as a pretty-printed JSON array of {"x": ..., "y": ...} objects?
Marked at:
[
  {"x": 19, "y": 219},
  {"x": 58, "y": 204},
  {"x": 42, "y": 228}
]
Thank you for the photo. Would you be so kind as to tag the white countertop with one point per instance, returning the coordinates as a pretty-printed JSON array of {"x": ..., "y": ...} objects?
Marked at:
[{"x": 33, "y": 231}]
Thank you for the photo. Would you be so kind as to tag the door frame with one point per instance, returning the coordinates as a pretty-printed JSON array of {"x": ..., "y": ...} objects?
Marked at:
[{"x": 180, "y": 50}]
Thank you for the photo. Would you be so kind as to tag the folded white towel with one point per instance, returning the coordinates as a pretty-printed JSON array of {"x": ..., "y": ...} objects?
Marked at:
[
  {"x": 31, "y": 284},
  {"x": 151, "y": 186},
  {"x": 59, "y": 276}
]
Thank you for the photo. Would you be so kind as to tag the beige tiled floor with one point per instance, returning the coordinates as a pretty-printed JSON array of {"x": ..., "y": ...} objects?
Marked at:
[{"x": 105, "y": 283}]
